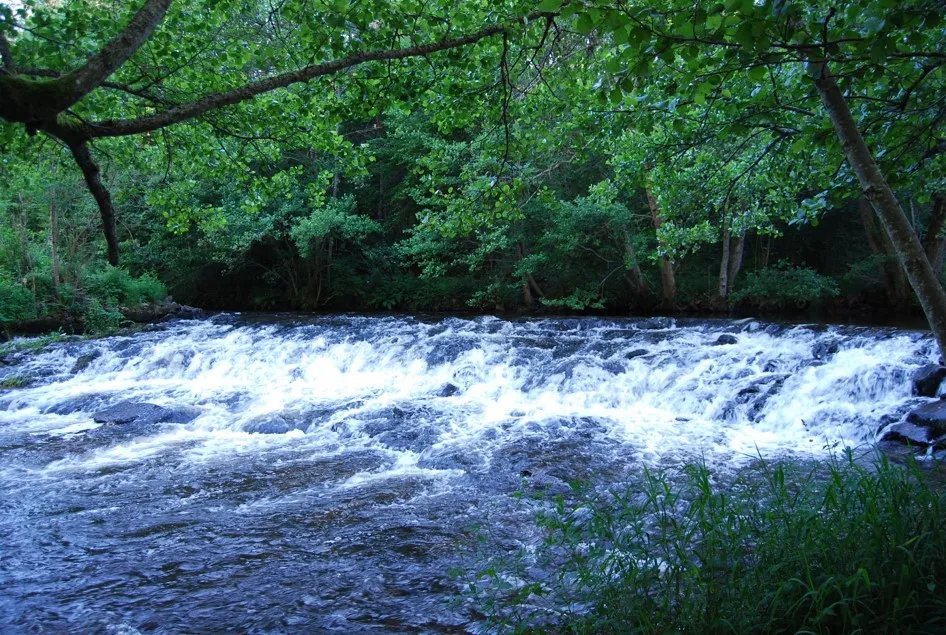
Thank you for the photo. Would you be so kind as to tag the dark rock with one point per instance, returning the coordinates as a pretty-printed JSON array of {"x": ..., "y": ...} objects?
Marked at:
[
  {"x": 269, "y": 424},
  {"x": 638, "y": 352},
  {"x": 83, "y": 362},
  {"x": 725, "y": 340},
  {"x": 931, "y": 415},
  {"x": 770, "y": 367},
  {"x": 133, "y": 412},
  {"x": 449, "y": 390},
  {"x": 85, "y": 403},
  {"x": 908, "y": 433},
  {"x": 927, "y": 380},
  {"x": 188, "y": 312},
  {"x": 822, "y": 350}
]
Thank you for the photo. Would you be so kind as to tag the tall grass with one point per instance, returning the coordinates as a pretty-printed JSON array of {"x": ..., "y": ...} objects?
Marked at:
[{"x": 833, "y": 548}]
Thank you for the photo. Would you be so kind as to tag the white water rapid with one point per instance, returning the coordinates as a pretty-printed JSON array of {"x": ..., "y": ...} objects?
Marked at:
[{"x": 321, "y": 468}]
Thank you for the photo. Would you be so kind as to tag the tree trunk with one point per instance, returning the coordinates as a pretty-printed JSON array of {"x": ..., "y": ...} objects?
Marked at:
[
  {"x": 934, "y": 244},
  {"x": 724, "y": 264},
  {"x": 736, "y": 254},
  {"x": 892, "y": 290},
  {"x": 668, "y": 281},
  {"x": 922, "y": 278},
  {"x": 93, "y": 179},
  {"x": 633, "y": 273},
  {"x": 54, "y": 239}
]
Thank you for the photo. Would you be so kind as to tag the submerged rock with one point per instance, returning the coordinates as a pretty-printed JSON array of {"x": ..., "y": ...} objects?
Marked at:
[
  {"x": 638, "y": 352},
  {"x": 927, "y": 380},
  {"x": 825, "y": 349},
  {"x": 143, "y": 413},
  {"x": 726, "y": 340},
  {"x": 449, "y": 390},
  {"x": 84, "y": 361}
]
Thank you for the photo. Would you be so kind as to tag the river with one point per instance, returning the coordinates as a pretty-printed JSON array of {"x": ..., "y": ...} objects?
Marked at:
[{"x": 313, "y": 474}]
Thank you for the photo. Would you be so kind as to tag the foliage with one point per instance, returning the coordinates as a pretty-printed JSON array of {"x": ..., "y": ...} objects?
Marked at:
[
  {"x": 783, "y": 286},
  {"x": 779, "y": 548}
]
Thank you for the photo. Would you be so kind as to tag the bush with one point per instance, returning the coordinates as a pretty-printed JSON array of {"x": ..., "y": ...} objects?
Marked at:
[
  {"x": 835, "y": 549},
  {"x": 97, "y": 319},
  {"x": 114, "y": 286},
  {"x": 784, "y": 286},
  {"x": 16, "y": 302}
]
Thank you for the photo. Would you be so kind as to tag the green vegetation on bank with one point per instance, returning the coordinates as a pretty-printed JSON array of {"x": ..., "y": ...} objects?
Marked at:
[
  {"x": 627, "y": 156},
  {"x": 780, "y": 548}
]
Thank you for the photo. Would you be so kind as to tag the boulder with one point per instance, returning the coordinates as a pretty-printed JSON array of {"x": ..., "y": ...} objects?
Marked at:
[
  {"x": 142, "y": 413},
  {"x": 726, "y": 339},
  {"x": 637, "y": 352},
  {"x": 84, "y": 361},
  {"x": 824, "y": 349},
  {"x": 930, "y": 415},
  {"x": 449, "y": 390},
  {"x": 927, "y": 380},
  {"x": 908, "y": 433}
]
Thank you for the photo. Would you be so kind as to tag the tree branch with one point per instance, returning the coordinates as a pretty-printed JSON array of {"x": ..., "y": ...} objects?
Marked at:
[
  {"x": 125, "y": 127},
  {"x": 101, "y": 65},
  {"x": 6, "y": 56},
  {"x": 93, "y": 179}
]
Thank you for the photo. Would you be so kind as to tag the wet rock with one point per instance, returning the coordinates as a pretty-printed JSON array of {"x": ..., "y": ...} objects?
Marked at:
[
  {"x": 133, "y": 412},
  {"x": 927, "y": 380},
  {"x": 637, "y": 352},
  {"x": 84, "y": 361},
  {"x": 270, "y": 424},
  {"x": 908, "y": 433},
  {"x": 652, "y": 324},
  {"x": 726, "y": 339},
  {"x": 449, "y": 390},
  {"x": 83, "y": 403},
  {"x": 931, "y": 415},
  {"x": 821, "y": 350}
]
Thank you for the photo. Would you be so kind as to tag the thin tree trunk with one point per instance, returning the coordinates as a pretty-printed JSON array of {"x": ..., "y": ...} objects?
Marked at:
[
  {"x": 922, "y": 278},
  {"x": 668, "y": 281},
  {"x": 934, "y": 244},
  {"x": 873, "y": 240},
  {"x": 633, "y": 274},
  {"x": 93, "y": 179},
  {"x": 54, "y": 239},
  {"x": 736, "y": 254},
  {"x": 724, "y": 263}
]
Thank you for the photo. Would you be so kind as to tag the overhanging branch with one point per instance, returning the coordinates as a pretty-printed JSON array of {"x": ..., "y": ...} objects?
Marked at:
[{"x": 125, "y": 127}]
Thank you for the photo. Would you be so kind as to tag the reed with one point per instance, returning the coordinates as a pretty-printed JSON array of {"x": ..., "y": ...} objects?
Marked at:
[{"x": 838, "y": 547}]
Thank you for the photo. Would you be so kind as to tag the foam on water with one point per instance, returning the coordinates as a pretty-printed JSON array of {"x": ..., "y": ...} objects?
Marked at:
[{"x": 348, "y": 439}]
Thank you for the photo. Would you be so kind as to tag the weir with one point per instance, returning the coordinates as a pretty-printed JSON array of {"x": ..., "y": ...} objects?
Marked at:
[{"x": 295, "y": 472}]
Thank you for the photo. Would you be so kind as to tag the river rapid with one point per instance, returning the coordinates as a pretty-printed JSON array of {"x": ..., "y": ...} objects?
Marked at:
[{"x": 313, "y": 474}]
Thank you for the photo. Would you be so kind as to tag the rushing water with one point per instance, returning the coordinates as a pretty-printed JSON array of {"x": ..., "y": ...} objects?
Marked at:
[{"x": 327, "y": 467}]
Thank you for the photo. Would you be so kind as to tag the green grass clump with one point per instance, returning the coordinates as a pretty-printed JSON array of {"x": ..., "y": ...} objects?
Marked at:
[
  {"x": 13, "y": 382},
  {"x": 836, "y": 548}
]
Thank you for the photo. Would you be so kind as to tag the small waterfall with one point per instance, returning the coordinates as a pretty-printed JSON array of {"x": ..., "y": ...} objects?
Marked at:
[{"x": 364, "y": 445}]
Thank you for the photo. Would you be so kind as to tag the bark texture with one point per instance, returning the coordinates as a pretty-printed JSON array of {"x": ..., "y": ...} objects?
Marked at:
[
  {"x": 93, "y": 180},
  {"x": 668, "y": 281},
  {"x": 877, "y": 191}
]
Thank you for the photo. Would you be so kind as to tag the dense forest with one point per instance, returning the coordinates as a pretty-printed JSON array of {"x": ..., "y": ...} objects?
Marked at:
[{"x": 627, "y": 157}]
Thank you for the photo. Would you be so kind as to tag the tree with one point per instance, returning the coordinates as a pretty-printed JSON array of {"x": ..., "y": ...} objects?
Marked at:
[
  {"x": 889, "y": 56},
  {"x": 75, "y": 100}
]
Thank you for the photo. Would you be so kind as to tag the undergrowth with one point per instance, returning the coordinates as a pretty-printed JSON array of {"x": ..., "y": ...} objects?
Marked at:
[{"x": 836, "y": 548}]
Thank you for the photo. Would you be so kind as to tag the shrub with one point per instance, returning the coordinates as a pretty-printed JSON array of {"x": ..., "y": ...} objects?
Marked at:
[
  {"x": 16, "y": 302},
  {"x": 832, "y": 549},
  {"x": 784, "y": 286},
  {"x": 114, "y": 286},
  {"x": 97, "y": 319}
]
